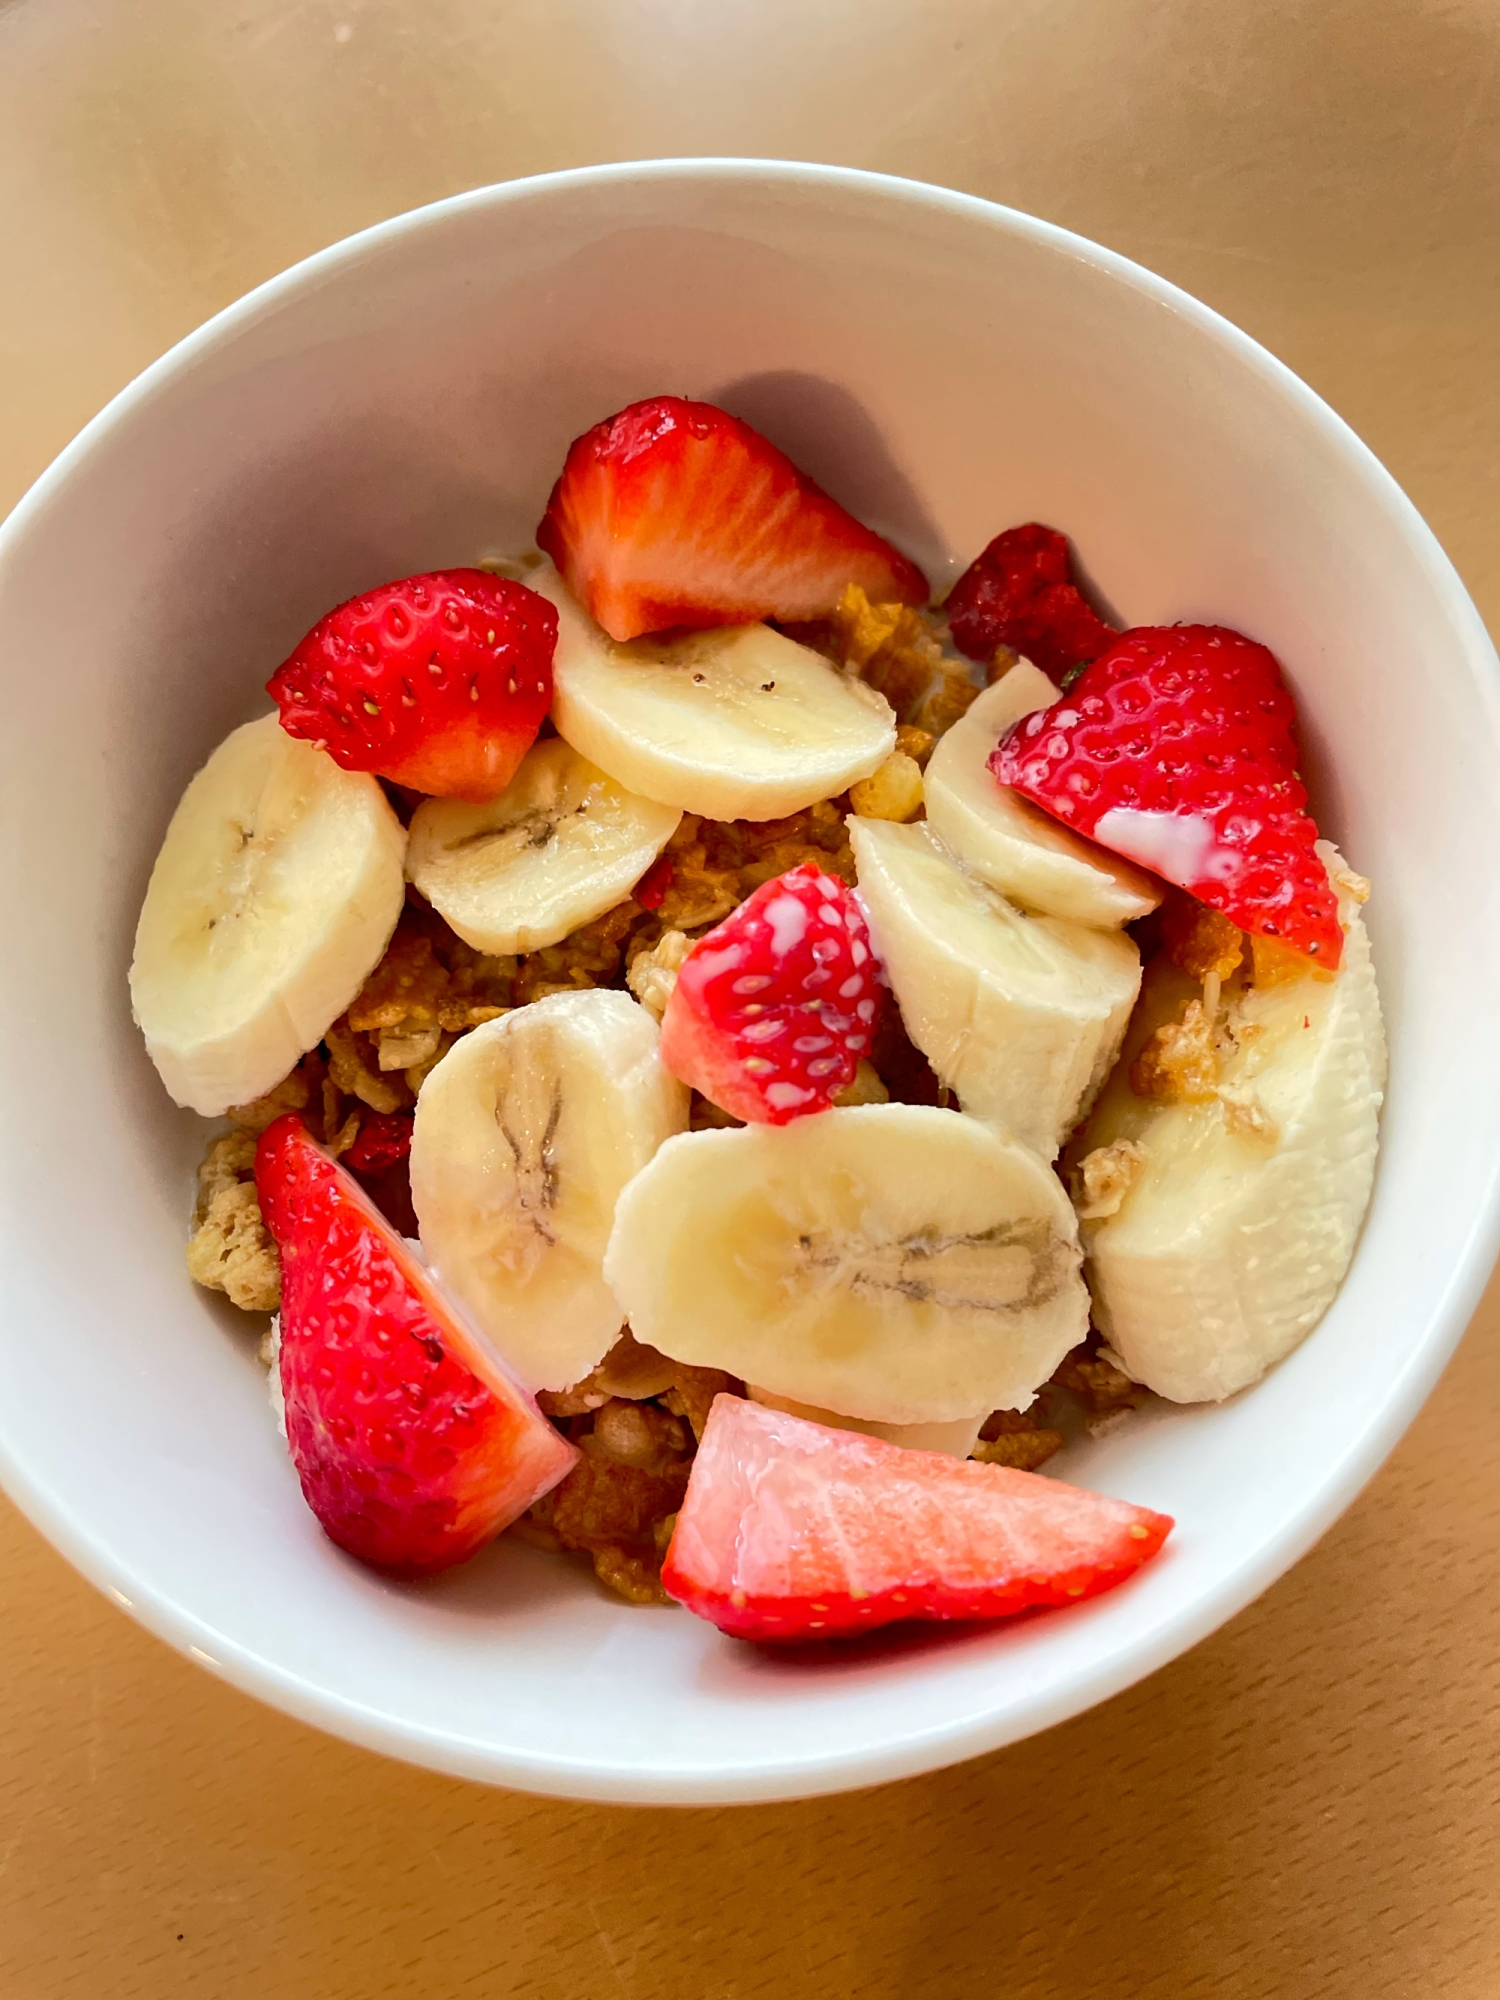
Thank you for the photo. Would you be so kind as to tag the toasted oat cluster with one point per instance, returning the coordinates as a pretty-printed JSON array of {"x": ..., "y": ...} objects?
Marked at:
[
  {"x": 1104, "y": 1177},
  {"x": 231, "y": 1250},
  {"x": 712, "y": 865},
  {"x": 652, "y": 973},
  {"x": 636, "y": 1420},
  {"x": 900, "y": 651},
  {"x": 1104, "y": 1391},
  {"x": 1179, "y": 1064},
  {"x": 1200, "y": 941}
]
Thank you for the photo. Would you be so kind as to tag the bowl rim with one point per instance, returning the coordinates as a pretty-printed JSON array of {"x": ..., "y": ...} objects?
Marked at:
[{"x": 902, "y": 1755}]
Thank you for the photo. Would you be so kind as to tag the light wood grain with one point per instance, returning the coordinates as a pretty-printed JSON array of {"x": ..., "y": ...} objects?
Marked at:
[{"x": 1306, "y": 1806}]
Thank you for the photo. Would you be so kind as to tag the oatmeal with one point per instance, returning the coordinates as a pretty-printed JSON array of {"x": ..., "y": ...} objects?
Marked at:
[{"x": 678, "y": 1027}]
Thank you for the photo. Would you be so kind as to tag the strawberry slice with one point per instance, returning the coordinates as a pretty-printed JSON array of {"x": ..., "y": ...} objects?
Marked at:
[
  {"x": 437, "y": 682},
  {"x": 675, "y": 513},
  {"x": 1019, "y": 592},
  {"x": 791, "y": 1530},
  {"x": 412, "y": 1447},
  {"x": 1177, "y": 749},
  {"x": 774, "y": 1007}
]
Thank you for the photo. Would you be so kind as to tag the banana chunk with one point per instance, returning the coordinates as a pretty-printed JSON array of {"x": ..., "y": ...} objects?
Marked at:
[
  {"x": 1238, "y": 1218},
  {"x": 1007, "y": 841},
  {"x": 1021, "y": 1015},
  {"x": 561, "y": 845},
  {"x": 525, "y": 1133},
  {"x": 890, "y": 1261},
  {"x": 734, "y": 723},
  {"x": 275, "y": 892}
]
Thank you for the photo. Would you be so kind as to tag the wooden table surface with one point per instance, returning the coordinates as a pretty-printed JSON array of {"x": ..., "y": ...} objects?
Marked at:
[{"x": 1306, "y": 1805}]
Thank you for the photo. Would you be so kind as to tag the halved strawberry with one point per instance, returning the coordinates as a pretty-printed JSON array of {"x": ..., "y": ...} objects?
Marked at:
[
  {"x": 437, "y": 682},
  {"x": 675, "y": 513},
  {"x": 412, "y": 1447},
  {"x": 774, "y": 1007},
  {"x": 1176, "y": 748},
  {"x": 791, "y": 1530}
]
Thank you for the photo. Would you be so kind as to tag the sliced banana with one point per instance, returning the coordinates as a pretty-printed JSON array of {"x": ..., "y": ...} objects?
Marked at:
[
  {"x": 955, "y": 1440},
  {"x": 1007, "y": 841},
  {"x": 525, "y": 1133},
  {"x": 273, "y": 897},
  {"x": 735, "y": 723},
  {"x": 891, "y": 1261},
  {"x": 561, "y": 845},
  {"x": 1232, "y": 1224},
  {"x": 1021, "y": 1015}
]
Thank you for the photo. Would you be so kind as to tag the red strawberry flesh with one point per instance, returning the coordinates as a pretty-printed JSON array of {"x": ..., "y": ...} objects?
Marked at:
[
  {"x": 413, "y": 1448},
  {"x": 437, "y": 682},
  {"x": 1018, "y": 592},
  {"x": 793, "y": 1531},
  {"x": 674, "y": 513},
  {"x": 651, "y": 891},
  {"x": 774, "y": 1007},
  {"x": 1177, "y": 749},
  {"x": 383, "y": 1139}
]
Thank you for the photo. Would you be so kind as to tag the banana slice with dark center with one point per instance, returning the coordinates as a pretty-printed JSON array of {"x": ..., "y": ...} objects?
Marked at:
[
  {"x": 893, "y": 1262},
  {"x": 525, "y": 1133},
  {"x": 561, "y": 845}
]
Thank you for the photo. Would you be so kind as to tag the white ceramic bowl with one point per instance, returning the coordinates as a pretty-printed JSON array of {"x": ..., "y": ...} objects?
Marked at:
[{"x": 403, "y": 401}]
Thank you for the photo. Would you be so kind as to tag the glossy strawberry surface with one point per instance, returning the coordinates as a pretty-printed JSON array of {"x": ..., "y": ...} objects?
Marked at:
[
  {"x": 774, "y": 1007},
  {"x": 1177, "y": 748},
  {"x": 791, "y": 1531},
  {"x": 437, "y": 682},
  {"x": 674, "y": 513},
  {"x": 1019, "y": 592},
  {"x": 413, "y": 1448}
]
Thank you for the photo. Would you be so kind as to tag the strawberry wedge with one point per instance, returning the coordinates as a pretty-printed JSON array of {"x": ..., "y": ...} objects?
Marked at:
[
  {"x": 775, "y": 1006},
  {"x": 412, "y": 1447},
  {"x": 677, "y": 514},
  {"x": 1177, "y": 748},
  {"x": 437, "y": 682},
  {"x": 793, "y": 1531}
]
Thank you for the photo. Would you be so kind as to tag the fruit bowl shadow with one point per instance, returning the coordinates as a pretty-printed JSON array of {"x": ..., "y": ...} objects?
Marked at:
[
  {"x": 874, "y": 1651},
  {"x": 402, "y": 402},
  {"x": 838, "y": 444}
]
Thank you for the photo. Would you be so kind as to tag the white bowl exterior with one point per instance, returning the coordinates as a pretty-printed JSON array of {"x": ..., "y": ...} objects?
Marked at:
[{"x": 402, "y": 402}]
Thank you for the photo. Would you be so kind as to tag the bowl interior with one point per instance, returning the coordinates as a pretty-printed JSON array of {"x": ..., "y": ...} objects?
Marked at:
[{"x": 404, "y": 402}]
